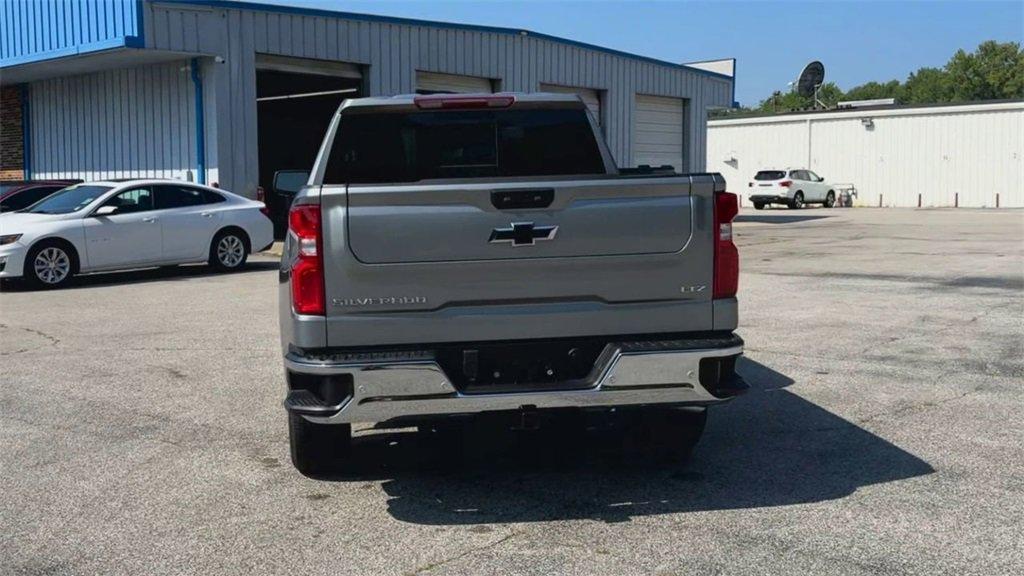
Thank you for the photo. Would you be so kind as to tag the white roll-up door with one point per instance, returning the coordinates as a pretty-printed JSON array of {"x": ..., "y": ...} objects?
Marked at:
[
  {"x": 590, "y": 97},
  {"x": 433, "y": 82},
  {"x": 658, "y": 131}
]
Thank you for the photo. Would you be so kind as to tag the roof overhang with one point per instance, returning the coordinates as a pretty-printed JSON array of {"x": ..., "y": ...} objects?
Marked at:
[{"x": 76, "y": 64}]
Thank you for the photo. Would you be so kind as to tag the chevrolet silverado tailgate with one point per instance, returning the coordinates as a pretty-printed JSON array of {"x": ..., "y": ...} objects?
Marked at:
[
  {"x": 438, "y": 223},
  {"x": 507, "y": 260}
]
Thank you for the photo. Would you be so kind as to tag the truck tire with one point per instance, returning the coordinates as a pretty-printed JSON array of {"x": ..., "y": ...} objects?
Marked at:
[
  {"x": 758, "y": 206},
  {"x": 318, "y": 448},
  {"x": 667, "y": 435},
  {"x": 797, "y": 202}
]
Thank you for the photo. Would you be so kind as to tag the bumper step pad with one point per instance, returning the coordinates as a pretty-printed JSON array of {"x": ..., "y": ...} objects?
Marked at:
[{"x": 305, "y": 402}]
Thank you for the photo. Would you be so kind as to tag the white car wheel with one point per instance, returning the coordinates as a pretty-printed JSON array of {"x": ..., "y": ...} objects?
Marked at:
[
  {"x": 798, "y": 201},
  {"x": 229, "y": 250},
  {"x": 49, "y": 266}
]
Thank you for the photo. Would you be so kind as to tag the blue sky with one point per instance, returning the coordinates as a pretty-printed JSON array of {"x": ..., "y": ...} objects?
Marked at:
[{"x": 857, "y": 41}]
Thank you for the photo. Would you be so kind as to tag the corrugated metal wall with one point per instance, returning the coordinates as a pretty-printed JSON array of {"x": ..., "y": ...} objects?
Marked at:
[
  {"x": 137, "y": 122},
  {"x": 973, "y": 151},
  {"x": 36, "y": 29},
  {"x": 392, "y": 53}
]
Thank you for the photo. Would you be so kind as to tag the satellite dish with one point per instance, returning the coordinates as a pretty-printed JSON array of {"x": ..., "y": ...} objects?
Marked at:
[{"x": 810, "y": 79}]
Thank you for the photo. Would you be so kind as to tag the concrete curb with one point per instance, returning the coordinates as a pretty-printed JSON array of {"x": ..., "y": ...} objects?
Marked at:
[{"x": 275, "y": 250}]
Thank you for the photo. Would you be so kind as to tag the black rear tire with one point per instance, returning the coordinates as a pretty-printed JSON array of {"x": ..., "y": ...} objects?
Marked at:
[
  {"x": 666, "y": 435},
  {"x": 797, "y": 202},
  {"x": 318, "y": 448},
  {"x": 758, "y": 206}
]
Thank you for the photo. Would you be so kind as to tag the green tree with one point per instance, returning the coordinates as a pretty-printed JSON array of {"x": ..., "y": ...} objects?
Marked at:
[
  {"x": 830, "y": 94},
  {"x": 994, "y": 71},
  {"x": 785, "y": 102},
  {"x": 927, "y": 86},
  {"x": 874, "y": 90},
  {"x": 791, "y": 101}
]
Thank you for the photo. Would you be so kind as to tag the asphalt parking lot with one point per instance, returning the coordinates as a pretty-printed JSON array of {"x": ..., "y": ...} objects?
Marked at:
[{"x": 141, "y": 431}]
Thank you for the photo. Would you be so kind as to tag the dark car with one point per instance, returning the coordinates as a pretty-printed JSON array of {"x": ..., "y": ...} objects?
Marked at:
[
  {"x": 286, "y": 185},
  {"x": 19, "y": 194}
]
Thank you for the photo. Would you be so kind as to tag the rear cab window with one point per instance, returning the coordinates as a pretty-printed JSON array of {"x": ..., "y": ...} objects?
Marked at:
[
  {"x": 770, "y": 175},
  {"x": 378, "y": 147}
]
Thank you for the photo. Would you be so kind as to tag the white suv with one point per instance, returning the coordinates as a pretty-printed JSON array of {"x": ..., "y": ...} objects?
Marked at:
[{"x": 794, "y": 188}]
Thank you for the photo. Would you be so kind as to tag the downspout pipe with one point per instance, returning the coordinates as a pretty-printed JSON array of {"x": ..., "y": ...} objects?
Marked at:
[
  {"x": 26, "y": 135},
  {"x": 197, "y": 82}
]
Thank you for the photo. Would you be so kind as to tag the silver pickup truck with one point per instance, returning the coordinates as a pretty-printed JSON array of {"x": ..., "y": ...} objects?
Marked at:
[{"x": 455, "y": 255}]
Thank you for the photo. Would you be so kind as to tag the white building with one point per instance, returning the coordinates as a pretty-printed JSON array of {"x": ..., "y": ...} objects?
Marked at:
[{"x": 963, "y": 154}]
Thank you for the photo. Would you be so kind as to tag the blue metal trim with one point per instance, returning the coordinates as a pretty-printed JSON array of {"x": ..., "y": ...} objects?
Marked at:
[
  {"x": 139, "y": 39},
  {"x": 238, "y": 5},
  {"x": 113, "y": 43},
  {"x": 735, "y": 104},
  {"x": 26, "y": 135},
  {"x": 197, "y": 82},
  {"x": 39, "y": 30}
]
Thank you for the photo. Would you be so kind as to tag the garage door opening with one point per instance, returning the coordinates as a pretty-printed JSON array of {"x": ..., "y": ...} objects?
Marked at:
[
  {"x": 660, "y": 132},
  {"x": 295, "y": 100}
]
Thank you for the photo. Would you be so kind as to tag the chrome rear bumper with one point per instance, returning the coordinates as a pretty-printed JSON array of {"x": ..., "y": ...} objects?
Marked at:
[{"x": 391, "y": 388}]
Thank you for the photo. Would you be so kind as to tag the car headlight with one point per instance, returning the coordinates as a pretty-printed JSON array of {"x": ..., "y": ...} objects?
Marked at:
[{"x": 9, "y": 239}]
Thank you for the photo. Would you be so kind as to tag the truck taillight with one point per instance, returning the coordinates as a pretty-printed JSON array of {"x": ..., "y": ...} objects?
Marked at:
[
  {"x": 786, "y": 183},
  {"x": 727, "y": 257},
  {"x": 307, "y": 268}
]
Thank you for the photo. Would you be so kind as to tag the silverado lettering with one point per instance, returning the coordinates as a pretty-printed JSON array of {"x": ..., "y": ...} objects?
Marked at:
[{"x": 389, "y": 300}]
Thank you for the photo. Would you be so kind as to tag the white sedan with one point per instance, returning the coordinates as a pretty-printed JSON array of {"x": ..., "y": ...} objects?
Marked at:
[{"x": 98, "y": 226}]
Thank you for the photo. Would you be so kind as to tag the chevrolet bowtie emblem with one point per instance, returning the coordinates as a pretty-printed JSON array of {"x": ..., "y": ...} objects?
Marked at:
[{"x": 523, "y": 234}]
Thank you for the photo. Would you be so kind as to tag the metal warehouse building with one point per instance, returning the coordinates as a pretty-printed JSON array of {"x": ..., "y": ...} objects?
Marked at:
[
  {"x": 229, "y": 92},
  {"x": 948, "y": 155}
]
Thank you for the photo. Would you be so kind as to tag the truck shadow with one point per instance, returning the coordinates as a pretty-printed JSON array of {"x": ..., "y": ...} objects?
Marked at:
[{"x": 769, "y": 448}]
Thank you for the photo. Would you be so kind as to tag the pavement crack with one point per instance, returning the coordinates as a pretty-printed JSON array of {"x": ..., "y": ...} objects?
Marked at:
[
  {"x": 436, "y": 564},
  {"x": 18, "y": 351},
  {"x": 53, "y": 340}
]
